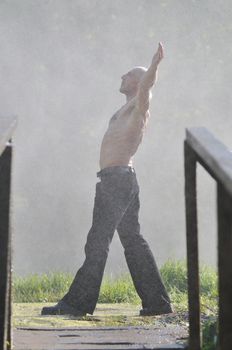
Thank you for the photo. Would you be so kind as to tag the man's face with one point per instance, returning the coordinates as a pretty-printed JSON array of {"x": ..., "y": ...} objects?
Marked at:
[{"x": 129, "y": 82}]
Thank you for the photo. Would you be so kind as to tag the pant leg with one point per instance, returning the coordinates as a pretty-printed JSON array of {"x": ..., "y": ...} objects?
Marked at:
[
  {"x": 140, "y": 261},
  {"x": 113, "y": 195}
]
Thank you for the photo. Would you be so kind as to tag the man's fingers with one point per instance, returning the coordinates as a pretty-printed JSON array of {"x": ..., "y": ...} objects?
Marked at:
[
  {"x": 159, "y": 54},
  {"x": 161, "y": 50}
]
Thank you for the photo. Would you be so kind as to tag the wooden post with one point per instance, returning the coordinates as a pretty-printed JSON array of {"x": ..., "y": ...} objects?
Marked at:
[
  {"x": 224, "y": 209},
  {"x": 5, "y": 248},
  {"x": 192, "y": 248}
]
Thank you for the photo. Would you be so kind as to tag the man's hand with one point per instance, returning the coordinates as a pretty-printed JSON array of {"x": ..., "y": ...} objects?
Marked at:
[{"x": 159, "y": 55}]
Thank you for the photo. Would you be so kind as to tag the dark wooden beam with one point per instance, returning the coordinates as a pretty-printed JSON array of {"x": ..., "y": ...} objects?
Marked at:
[
  {"x": 201, "y": 146},
  {"x": 216, "y": 157},
  {"x": 192, "y": 248},
  {"x": 224, "y": 208},
  {"x": 5, "y": 250}
]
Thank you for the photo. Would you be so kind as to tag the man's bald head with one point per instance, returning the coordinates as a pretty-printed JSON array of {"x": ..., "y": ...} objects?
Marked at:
[
  {"x": 131, "y": 79},
  {"x": 138, "y": 72}
]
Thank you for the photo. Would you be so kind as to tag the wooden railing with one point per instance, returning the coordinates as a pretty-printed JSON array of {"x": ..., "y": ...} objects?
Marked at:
[
  {"x": 7, "y": 126},
  {"x": 202, "y": 147}
]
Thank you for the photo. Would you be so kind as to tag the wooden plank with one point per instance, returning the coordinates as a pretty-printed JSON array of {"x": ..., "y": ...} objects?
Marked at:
[
  {"x": 215, "y": 155},
  {"x": 192, "y": 248},
  {"x": 224, "y": 208},
  {"x": 7, "y": 127},
  {"x": 5, "y": 244},
  {"x": 128, "y": 338}
]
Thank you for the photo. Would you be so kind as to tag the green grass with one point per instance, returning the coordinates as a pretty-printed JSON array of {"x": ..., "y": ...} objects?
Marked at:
[
  {"x": 174, "y": 275},
  {"x": 209, "y": 339},
  {"x": 118, "y": 290},
  {"x": 40, "y": 288},
  {"x": 51, "y": 287}
]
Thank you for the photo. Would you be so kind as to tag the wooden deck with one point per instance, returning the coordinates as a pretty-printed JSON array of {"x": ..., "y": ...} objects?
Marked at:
[
  {"x": 125, "y": 338},
  {"x": 112, "y": 327}
]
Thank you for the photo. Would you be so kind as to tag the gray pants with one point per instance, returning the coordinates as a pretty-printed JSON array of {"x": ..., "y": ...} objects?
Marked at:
[{"x": 116, "y": 207}]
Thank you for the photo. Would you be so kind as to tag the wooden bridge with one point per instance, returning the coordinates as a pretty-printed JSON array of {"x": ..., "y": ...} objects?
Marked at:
[
  {"x": 200, "y": 147},
  {"x": 120, "y": 338}
]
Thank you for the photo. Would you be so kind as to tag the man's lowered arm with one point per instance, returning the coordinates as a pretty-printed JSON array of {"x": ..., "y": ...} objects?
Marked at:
[{"x": 148, "y": 80}]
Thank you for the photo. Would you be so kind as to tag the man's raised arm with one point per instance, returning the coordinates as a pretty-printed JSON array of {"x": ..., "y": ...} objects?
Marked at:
[{"x": 147, "y": 81}]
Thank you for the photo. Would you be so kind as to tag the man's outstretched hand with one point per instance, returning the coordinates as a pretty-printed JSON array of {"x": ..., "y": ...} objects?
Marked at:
[
  {"x": 158, "y": 55},
  {"x": 148, "y": 80}
]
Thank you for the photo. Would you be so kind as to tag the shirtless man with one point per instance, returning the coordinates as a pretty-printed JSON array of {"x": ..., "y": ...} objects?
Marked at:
[{"x": 116, "y": 207}]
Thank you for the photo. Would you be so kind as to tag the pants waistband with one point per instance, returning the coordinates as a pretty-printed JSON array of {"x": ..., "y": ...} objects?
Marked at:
[{"x": 119, "y": 169}]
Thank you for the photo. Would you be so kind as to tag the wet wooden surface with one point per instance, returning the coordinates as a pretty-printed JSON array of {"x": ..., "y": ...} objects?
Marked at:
[
  {"x": 124, "y": 338},
  {"x": 113, "y": 326}
]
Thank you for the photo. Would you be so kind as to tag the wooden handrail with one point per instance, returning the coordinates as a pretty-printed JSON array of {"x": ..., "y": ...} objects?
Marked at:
[
  {"x": 202, "y": 147},
  {"x": 215, "y": 155},
  {"x": 7, "y": 127}
]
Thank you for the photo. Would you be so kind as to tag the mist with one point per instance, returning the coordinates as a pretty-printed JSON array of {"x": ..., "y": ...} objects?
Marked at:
[{"x": 61, "y": 66}]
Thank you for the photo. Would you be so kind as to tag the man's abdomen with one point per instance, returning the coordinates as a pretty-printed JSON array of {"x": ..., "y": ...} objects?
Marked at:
[
  {"x": 117, "y": 153},
  {"x": 120, "y": 143}
]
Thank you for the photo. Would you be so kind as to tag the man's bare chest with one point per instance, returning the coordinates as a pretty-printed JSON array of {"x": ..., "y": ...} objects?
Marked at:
[{"x": 123, "y": 116}]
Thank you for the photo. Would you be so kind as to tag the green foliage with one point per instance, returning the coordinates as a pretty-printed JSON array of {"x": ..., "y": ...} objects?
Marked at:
[
  {"x": 210, "y": 335},
  {"x": 209, "y": 281},
  {"x": 40, "y": 288},
  {"x": 118, "y": 290},
  {"x": 51, "y": 287},
  {"x": 174, "y": 274}
]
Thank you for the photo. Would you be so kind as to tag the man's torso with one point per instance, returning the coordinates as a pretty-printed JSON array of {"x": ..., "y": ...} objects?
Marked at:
[{"x": 123, "y": 136}]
